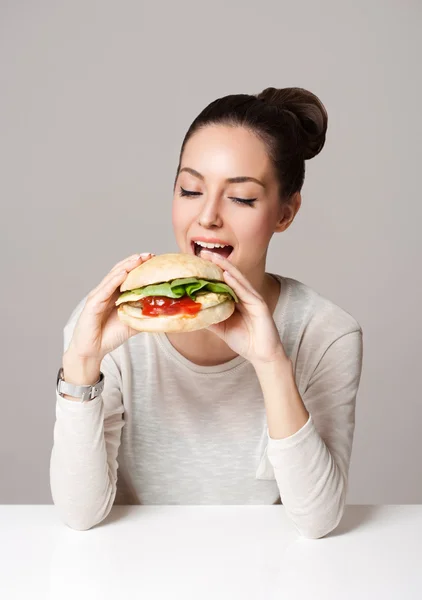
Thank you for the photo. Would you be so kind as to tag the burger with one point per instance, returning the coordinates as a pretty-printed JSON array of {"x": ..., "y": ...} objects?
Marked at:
[{"x": 175, "y": 292}]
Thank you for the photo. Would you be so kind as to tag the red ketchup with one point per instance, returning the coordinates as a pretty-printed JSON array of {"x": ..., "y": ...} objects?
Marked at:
[{"x": 155, "y": 306}]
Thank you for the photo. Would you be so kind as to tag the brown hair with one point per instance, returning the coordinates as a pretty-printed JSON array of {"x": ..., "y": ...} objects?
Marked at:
[{"x": 292, "y": 123}]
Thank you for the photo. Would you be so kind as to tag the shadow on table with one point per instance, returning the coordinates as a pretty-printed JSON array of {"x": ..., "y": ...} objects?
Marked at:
[{"x": 354, "y": 517}]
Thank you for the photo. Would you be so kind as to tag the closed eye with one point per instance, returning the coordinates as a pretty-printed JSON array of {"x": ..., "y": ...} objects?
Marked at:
[
  {"x": 248, "y": 202},
  {"x": 244, "y": 201},
  {"x": 188, "y": 193}
]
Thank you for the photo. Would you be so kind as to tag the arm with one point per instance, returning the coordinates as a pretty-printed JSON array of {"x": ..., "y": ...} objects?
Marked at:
[
  {"x": 83, "y": 464},
  {"x": 310, "y": 451}
]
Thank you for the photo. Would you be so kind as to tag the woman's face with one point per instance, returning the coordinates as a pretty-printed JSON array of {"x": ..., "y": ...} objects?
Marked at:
[{"x": 242, "y": 215}]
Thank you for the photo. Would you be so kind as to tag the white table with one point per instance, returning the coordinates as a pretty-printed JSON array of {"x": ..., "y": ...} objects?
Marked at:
[{"x": 210, "y": 552}]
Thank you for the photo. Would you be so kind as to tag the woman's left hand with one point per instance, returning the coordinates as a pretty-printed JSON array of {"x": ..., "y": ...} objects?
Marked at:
[{"x": 250, "y": 330}]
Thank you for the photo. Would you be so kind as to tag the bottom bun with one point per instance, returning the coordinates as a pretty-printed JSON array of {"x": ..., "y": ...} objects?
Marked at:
[{"x": 202, "y": 319}]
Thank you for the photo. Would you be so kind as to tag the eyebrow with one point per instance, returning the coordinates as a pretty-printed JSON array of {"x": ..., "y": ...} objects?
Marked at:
[{"x": 241, "y": 179}]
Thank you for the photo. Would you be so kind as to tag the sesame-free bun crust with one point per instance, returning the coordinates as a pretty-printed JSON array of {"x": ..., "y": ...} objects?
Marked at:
[
  {"x": 166, "y": 267},
  {"x": 202, "y": 319}
]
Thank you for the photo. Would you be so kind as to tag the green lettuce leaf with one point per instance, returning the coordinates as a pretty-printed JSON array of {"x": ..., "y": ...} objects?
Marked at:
[{"x": 180, "y": 287}]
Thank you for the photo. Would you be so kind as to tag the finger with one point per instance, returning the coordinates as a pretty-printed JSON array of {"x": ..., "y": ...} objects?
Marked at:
[
  {"x": 245, "y": 295},
  {"x": 124, "y": 266},
  {"x": 115, "y": 321},
  {"x": 132, "y": 260},
  {"x": 230, "y": 268},
  {"x": 128, "y": 264},
  {"x": 99, "y": 298},
  {"x": 218, "y": 329}
]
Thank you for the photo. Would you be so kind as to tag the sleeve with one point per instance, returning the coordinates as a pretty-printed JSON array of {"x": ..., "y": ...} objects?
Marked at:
[
  {"x": 83, "y": 463},
  {"x": 311, "y": 466}
]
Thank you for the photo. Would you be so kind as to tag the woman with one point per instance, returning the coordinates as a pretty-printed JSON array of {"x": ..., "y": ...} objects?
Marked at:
[{"x": 258, "y": 409}]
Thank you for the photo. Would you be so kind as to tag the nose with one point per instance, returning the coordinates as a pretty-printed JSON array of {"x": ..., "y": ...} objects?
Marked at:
[{"x": 209, "y": 215}]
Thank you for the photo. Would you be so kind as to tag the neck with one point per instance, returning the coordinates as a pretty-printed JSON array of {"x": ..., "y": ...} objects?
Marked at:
[{"x": 259, "y": 282}]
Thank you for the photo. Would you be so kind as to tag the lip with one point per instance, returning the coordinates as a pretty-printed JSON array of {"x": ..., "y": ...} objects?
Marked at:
[{"x": 210, "y": 241}]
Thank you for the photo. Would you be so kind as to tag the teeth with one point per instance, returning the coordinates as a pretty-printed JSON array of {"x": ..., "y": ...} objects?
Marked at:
[{"x": 209, "y": 245}]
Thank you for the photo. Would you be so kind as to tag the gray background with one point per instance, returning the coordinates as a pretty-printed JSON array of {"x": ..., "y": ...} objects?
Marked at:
[{"x": 95, "y": 100}]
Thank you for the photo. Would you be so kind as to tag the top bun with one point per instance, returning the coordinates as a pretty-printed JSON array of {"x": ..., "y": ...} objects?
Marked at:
[{"x": 166, "y": 267}]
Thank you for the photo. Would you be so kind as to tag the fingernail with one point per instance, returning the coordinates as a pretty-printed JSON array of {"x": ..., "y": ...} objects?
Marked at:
[
  {"x": 145, "y": 254},
  {"x": 211, "y": 254}
]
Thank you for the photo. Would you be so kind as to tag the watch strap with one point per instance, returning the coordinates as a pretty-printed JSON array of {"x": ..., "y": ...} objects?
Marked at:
[{"x": 84, "y": 392}]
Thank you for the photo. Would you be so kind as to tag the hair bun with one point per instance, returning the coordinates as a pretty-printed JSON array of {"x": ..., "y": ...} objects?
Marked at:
[{"x": 308, "y": 111}]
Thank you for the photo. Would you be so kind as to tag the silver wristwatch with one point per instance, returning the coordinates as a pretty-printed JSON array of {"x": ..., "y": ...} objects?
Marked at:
[{"x": 84, "y": 392}]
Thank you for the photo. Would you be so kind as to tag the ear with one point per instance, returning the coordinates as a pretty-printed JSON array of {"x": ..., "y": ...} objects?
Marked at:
[{"x": 288, "y": 212}]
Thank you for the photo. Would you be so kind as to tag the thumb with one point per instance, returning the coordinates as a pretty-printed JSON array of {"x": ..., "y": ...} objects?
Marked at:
[{"x": 218, "y": 329}]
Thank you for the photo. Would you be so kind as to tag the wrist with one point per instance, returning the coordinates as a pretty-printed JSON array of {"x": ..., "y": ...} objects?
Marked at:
[
  {"x": 279, "y": 360},
  {"x": 80, "y": 370},
  {"x": 286, "y": 412}
]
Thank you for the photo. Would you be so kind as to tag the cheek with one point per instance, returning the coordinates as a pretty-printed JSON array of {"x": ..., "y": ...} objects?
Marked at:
[
  {"x": 258, "y": 227},
  {"x": 180, "y": 216},
  {"x": 176, "y": 213}
]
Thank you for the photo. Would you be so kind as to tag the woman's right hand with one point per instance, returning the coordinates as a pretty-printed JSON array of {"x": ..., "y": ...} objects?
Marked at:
[{"x": 98, "y": 330}]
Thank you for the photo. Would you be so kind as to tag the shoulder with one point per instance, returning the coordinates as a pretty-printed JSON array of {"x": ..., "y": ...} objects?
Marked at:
[
  {"x": 317, "y": 310},
  {"x": 304, "y": 305},
  {"x": 309, "y": 324}
]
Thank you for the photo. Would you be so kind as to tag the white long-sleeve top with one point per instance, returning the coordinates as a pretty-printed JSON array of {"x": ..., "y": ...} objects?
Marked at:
[{"x": 168, "y": 431}]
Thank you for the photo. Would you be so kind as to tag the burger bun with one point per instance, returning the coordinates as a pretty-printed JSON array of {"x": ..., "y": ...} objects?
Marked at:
[
  {"x": 166, "y": 267},
  {"x": 175, "y": 323}
]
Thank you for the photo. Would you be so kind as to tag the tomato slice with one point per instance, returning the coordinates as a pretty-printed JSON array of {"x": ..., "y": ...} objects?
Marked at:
[{"x": 155, "y": 306}]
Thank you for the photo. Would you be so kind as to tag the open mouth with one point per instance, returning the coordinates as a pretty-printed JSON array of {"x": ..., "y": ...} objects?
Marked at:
[{"x": 224, "y": 251}]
